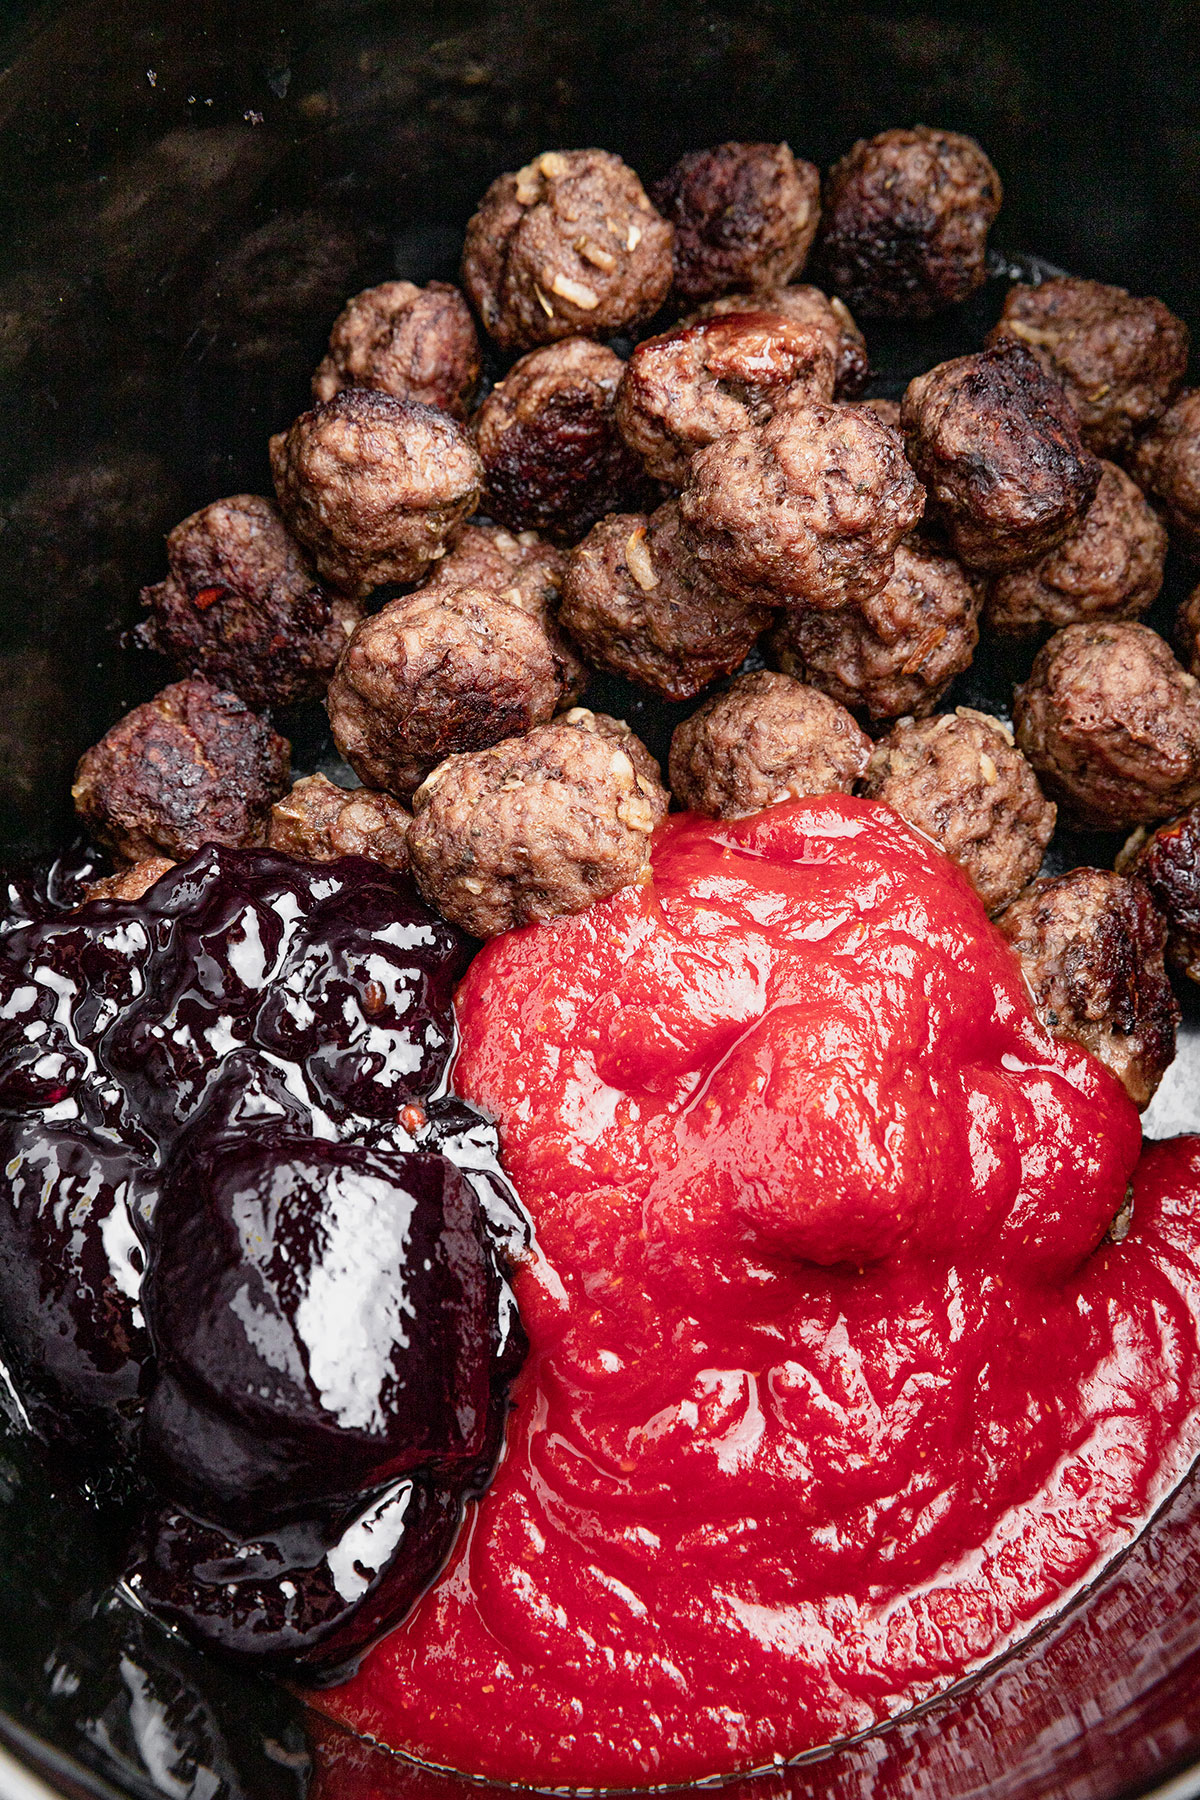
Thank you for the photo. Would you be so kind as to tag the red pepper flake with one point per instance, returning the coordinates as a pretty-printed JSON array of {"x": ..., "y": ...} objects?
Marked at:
[
  {"x": 412, "y": 1118},
  {"x": 374, "y": 997},
  {"x": 207, "y": 597}
]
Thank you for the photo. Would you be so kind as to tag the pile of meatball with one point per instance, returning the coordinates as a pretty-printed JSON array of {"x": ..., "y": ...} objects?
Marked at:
[{"x": 718, "y": 493}]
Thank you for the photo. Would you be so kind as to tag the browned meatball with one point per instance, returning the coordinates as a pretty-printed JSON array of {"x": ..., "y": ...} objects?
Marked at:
[
  {"x": 192, "y": 766},
  {"x": 807, "y": 508},
  {"x": 1110, "y": 567},
  {"x": 997, "y": 444},
  {"x": 805, "y": 305},
  {"x": 521, "y": 569},
  {"x": 621, "y": 735},
  {"x": 436, "y": 672},
  {"x": 745, "y": 215},
  {"x": 242, "y": 607},
  {"x": 906, "y": 219},
  {"x": 960, "y": 780},
  {"x": 886, "y": 411},
  {"x": 553, "y": 458},
  {"x": 319, "y": 821},
  {"x": 690, "y": 386},
  {"x": 534, "y": 827},
  {"x": 374, "y": 486},
  {"x": 568, "y": 246},
  {"x": 767, "y": 739},
  {"x": 1166, "y": 464},
  {"x": 1187, "y": 632},
  {"x": 1169, "y": 863},
  {"x": 130, "y": 883},
  {"x": 416, "y": 343},
  {"x": 635, "y": 602},
  {"x": 1091, "y": 945},
  {"x": 899, "y": 651},
  {"x": 1111, "y": 723},
  {"x": 1121, "y": 360}
]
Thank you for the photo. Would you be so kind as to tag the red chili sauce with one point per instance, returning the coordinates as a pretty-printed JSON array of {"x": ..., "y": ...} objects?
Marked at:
[{"x": 836, "y": 1381}]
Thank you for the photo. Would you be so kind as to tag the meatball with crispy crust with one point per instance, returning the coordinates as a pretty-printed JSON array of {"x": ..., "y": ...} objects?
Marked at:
[
  {"x": 192, "y": 766},
  {"x": 1091, "y": 945},
  {"x": 960, "y": 780},
  {"x": 418, "y": 343},
  {"x": 568, "y": 246},
  {"x": 521, "y": 569},
  {"x": 997, "y": 444},
  {"x": 1111, "y": 723},
  {"x": 130, "y": 883},
  {"x": 767, "y": 739},
  {"x": 534, "y": 827},
  {"x": 806, "y": 509},
  {"x": 319, "y": 822},
  {"x": 1165, "y": 463},
  {"x": 1121, "y": 360},
  {"x": 745, "y": 216},
  {"x": 1168, "y": 861},
  {"x": 690, "y": 386},
  {"x": 373, "y": 486},
  {"x": 635, "y": 602},
  {"x": 805, "y": 305}
]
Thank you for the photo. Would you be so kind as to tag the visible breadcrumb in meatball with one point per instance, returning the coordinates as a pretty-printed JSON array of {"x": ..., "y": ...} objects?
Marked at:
[
  {"x": 130, "y": 883},
  {"x": 805, "y": 305},
  {"x": 418, "y": 343},
  {"x": 568, "y": 246},
  {"x": 807, "y": 508},
  {"x": 319, "y": 822},
  {"x": 1168, "y": 861},
  {"x": 635, "y": 602},
  {"x": 1165, "y": 463},
  {"x": 766, "y": 740},
  {"x": 1121, "y": 360},
  {"x": 1109, "y": 567},
  {"x": 521, "y": 569},
  {"x": 373, "y": 486},
  {"x": 621, "y": 734},
  {"x": 534, "y": 827},
  {"x": 960, "y": 780},
  {"x": 897, "y": 652},
  {"x": 690, "y": 386},
  {"x": 242, "y": 608},
  {"x": 997, "y": 444},
  {"x": 745, "y": 216},
  {"x": 192, "y": 766},
  {"x": 1091, "y": 946},
  {"x": 906, "y": 220},
  {"x": 1111, "y": 723}
]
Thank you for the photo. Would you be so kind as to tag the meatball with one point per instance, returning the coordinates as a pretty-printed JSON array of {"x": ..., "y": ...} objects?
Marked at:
[
  {"x": 1187, "y": 632},
  {"x": 1169, "y": 863},
  {"x": 130, "y": 883},
  {"x": 805, "y": 305},
  {"x": 886, "y": 411},
  {"x": 568, "y": 246},
  {"x": 1110, "y": 567},
  {"x": 767, "y": 739},
  {"x": 241, "y": 607},
  {"x": 1166, "y": 464},
  {"x": 374, "y": 486},
  {"x": 416, "y": 343},
  {"x": 435, "y": 672},
  {"x": 192, "y": 766},
  {"x": 997, "y": 444},
  {"x": 621, "y": 735},
  {"x": 553, "y": 458},
  {"x": 523, "y": 570},
  {"x": 960, "y": 780},
  {"x": 690, "y": 386},
  {"x": 1111, "y": 723},
  {"x": 745, "y": 215},
  {"x": 1091, "y": 946},
  {"x": 534, "y": 827},
  {"x": 636, "y": 603},
  {"x": 807, "y": 508},
  {"x": 319, "y": 821},
  {"x": 899, "y": 651},
  {"x": 906, "y": 219},
  {"x": 1121, "y": 360}
]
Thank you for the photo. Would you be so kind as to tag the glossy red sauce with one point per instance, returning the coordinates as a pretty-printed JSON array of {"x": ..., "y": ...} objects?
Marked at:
[{"x": 836, "y": 1383}]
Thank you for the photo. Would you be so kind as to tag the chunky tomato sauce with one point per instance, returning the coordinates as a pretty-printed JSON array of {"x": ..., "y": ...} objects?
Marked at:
[{"x": 837, "y": 1379}]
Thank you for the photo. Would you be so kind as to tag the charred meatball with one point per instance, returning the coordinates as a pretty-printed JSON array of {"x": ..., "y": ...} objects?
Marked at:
[
  {"x": 374, "y": 486},
  {"x": 1091, "y": 945},
  {"x": 1121, "y": 360},
  {"x": 242, "y": 607},
  {"x": 767, "y": 739},
  {"x": 960, "y": 780},
  {"x": 997, "y": 444},
  {"x": 416, "y": 343},
  {"x": 1166, "y": 464},
  {"x": 534, "y": 827},
  {"x": 806, "y": 509},
  {"x": 690, "y": 386},
  {"x": 521, "y": 569},
  {"x": 319, "y": 821},
  {"x": 745, "y": 216},
  {"x": 636, "y": 603},
  {"x": 553, "y": 458},
  {"x": 1111, "y": 723},
  {"x": 906, "y": 220},
  {"x": 192, "y": 766},
  {"x": 805, "y": 305},
  {"x": 899, "y": 651},
  {"x": 569, "y": 246},
  {"x": 1169, "y": 863},
  {"x": 130, "y": 883}
]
